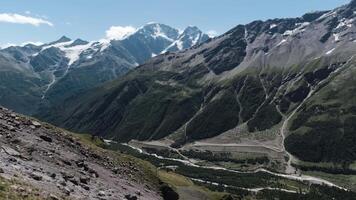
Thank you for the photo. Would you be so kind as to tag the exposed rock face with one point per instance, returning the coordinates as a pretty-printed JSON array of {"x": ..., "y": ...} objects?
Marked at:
[{"x": 60, "y": 166}]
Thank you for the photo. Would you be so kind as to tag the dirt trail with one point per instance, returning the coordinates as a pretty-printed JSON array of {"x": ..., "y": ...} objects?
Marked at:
[
  {"x": 289, "y": 168},
  {"x": 306, "y": 178}
]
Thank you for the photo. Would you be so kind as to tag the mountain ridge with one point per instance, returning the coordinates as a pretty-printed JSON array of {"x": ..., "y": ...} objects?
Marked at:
[
  {"x": 66, "y": 67},
  {"x": 244, "y": 82}
]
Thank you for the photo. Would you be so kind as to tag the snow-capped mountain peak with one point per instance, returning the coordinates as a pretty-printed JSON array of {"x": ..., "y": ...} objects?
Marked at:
[
  {"x": 61, "y": 40},
  {"x": 191, "y": 36},
  {"x": 71, "y": 48},
  {"x": 157, "y": 30},
  {"x": 78, "y": 42}
]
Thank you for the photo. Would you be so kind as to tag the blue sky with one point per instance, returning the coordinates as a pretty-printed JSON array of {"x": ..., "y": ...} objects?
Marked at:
[{"x": 45, "y": 20}]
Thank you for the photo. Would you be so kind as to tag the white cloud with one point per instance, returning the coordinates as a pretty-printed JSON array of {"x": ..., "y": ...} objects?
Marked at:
[
  {"x": 212, "y": 33},
  {"x": 4, "y": 46},
  {"x": 38, "y": 43},
  {"x": 21, "y": 19},
  {"x": 119, "y": 32}
]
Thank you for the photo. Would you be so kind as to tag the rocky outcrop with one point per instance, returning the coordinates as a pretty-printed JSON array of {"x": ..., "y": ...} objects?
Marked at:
[{"x": 60, "y": 165}]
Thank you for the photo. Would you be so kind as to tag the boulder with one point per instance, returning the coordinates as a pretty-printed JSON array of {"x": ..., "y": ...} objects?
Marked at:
[{"x": 36, "y": 124}]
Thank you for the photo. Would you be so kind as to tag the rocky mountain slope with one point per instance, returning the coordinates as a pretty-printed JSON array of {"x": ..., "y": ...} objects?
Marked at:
[
  {"x": 40, "y": 76},
  {"x": 285, "y": 84},
  {"x": 44, "y": 162}
]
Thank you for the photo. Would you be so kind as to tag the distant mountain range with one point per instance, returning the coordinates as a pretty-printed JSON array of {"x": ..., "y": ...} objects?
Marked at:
[
  {"x": 34, "y": 77},
  {"x": 289, "y": 80}
]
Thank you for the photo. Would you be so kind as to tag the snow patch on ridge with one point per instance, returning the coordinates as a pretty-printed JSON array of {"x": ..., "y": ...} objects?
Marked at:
[
  {"x": 177, "y": 43},
  {"x": 300, "y": 27},
  {"x": 328, "y": 14},
  {"x": 272, "y": 26},
  {"x": 337, "y": 37},
  {"x": 330, "y": 51},
  {"x": 71, "y": 52},
  {"x": 345, "y": 22},
  {"x": 158, "y": 33},
  {"x": 280, "y": 43},
  {"x": 196, "y": 39}
]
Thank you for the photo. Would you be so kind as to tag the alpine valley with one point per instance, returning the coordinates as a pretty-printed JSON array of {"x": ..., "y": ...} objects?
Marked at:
[{"x": 265, "y": 111}]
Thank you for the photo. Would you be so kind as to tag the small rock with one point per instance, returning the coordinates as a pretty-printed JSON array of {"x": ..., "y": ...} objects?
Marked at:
[
  {"x": 131, "y": 197},
  {"x": 9, "y": 136},
  {"x": 53, "y": 175},
  {"x": 93, "y": 173},
  {"x": 101, "y": 193},
  {"x": 1, "y": 171},
  {"x": 86, "y": 167},
  {"x": 85, "y": 187},
  {"x": 11, "y": 128},
  {"x": 115, "y": 170},
  {"x": 74, "y": 181},
  {"x": 63, "y": 183},
  {"x": 84, "y": 180},
  {"x": 53, "y": 197},
  {"x": 36, "y": 177},
  {"x": 15, "y": 141},
  {"x": 46, "y": 138},
  {"x": 66, "y": 176},
  {"x": 67, "y": 162},
  {"x": 17, "y": 123},
  {"x": 80, "y": 163},
  {"x": 14, "y": 187},
  {"x": 67, "y": 191},
  {"x": 32, "y": 127}
]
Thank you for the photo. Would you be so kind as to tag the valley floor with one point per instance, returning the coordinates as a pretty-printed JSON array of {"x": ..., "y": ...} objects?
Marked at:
[{"x": 39, "y": 161}]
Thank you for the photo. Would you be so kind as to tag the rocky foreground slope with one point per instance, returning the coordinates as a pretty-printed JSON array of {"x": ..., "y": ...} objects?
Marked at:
[{"x": 39, "y": 161}]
